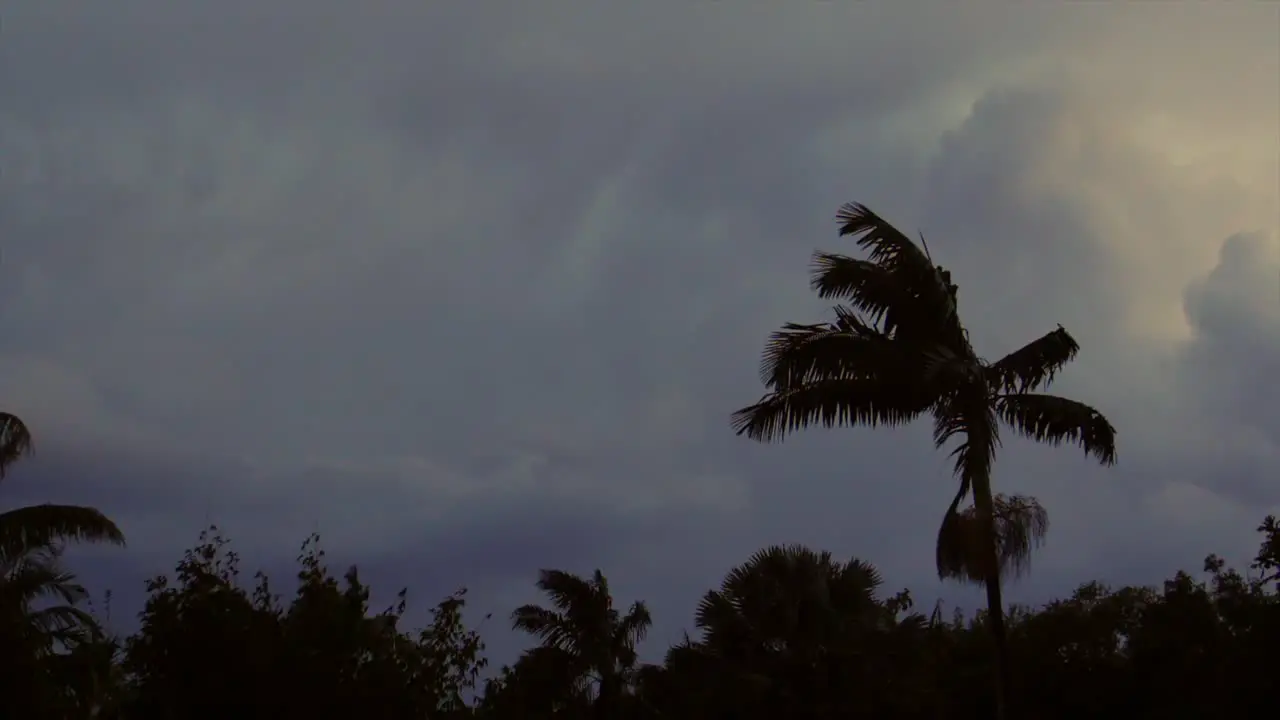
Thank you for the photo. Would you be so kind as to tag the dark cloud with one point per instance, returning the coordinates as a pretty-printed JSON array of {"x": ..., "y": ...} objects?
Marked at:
[{"x": 473, "y": 293}]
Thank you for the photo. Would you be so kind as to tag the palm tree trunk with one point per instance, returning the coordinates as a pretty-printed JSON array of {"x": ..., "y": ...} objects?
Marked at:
[{"x": 985, "y": 506}]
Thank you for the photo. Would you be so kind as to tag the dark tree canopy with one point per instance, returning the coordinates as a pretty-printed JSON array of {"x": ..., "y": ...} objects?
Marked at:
[{"x": 792, "y": 632}]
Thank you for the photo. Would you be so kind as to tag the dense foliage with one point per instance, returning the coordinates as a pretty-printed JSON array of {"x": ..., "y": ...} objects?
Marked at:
[{"x": 790, "y": 633}]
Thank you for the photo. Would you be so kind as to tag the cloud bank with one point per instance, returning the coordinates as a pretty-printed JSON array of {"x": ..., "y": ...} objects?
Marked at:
[{"x": 472, "y": 293}]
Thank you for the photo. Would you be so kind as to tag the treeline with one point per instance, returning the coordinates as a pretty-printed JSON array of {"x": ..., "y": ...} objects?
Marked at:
[{"x": 791, "y": 633}]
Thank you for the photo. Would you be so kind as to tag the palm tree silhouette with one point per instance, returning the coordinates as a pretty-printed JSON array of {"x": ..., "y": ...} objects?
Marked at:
[
  {"x": 898, "y": 350},
  {"x": 584, "y": 637}
]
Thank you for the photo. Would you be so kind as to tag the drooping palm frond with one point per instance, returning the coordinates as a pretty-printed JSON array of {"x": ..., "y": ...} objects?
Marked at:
[
  {"x": 1034, "y": 365},
  {"x": 15, "y": 441},
  {"x": 634, "y": 626},
  {"x": 35, "y": 576},
  {"x": 846, "y": 349},
  {"x": 65, "y": 623},
  {"x": 552, "y": 628},
  {"x": 969, "y": 417},
  {"x": 829, "y": 403},
  {"x": 37, "y": 526},
  {"x": 1055, "y": 420},
  {"x": 28, "y": 579},
  {"x": 1020, "y": 525}
]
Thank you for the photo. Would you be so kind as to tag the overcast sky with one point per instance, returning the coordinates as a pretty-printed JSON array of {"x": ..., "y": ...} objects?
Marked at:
[{"x": 472, "y": 288}]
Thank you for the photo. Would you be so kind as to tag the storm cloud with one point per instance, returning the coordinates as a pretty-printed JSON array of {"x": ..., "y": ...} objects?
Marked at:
[{"x": 472, "y": 290}]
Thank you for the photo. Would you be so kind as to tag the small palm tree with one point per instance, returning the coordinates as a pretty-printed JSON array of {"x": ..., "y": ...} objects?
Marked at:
[
  {"x": 585, "y": 636},
  {"x": 789, "y": 599},
  {"x": 898, "y": 350},
  {"x": 791, "y": 625}
]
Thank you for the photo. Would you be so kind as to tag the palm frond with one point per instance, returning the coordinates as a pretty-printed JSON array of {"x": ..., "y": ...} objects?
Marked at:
[
  {"x": 15, "y": 441},
  {"x": 1034, "y": 365},
  {"x": 929, "y": 286},
  {"x": 716, "y": 609},
  {"x": 886, "y": 246},
  {"x": 951, "y": 549},
  {"x": 37, "y": 526},
  {"x": 973, "y": 419},
  {"x": 800, "y": 354},
  {"x": 550, "y": 627},
  {"x": 861, "y": 575},
  {"x": 830, "y": 403},
  {"x": 869, "y": 288},
  {"x": 565, "y": 589},
  {"x": 634, "y": 626},
  {"x": 38, "y": 574},
  {"x": 1055, "y": 420},
  {"x": 1020, "y": 525},
  {"x": 64, "y": 622}
]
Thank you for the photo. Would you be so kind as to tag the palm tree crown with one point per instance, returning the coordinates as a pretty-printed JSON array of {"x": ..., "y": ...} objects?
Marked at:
[{"x": 584, "y": 636}]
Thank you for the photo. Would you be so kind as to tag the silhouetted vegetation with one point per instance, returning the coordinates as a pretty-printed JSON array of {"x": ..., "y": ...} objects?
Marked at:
[
  {"x": 792, "y": 632},
  {"x": 896, "y": 351}
]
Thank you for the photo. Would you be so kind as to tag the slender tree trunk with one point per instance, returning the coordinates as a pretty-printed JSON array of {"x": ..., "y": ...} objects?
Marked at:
[{"x": 985, "y": 506}]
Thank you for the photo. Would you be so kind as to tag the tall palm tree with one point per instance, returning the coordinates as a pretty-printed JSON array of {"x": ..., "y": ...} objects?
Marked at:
[
  {"x": 898, "y": 350},
  {"x": 585, "y": 635}
]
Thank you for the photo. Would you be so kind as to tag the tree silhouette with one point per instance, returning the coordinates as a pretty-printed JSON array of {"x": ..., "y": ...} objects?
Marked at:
[
  {"x": 584, "y": 637},
  {"x": 898, "y": 350}
]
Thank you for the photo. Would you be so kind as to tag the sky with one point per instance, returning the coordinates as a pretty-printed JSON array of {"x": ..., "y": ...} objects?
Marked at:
[{"x": 471, "y": 289}]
